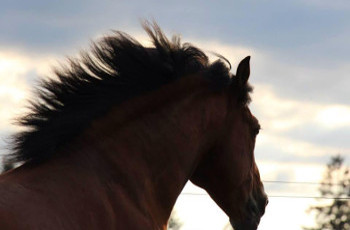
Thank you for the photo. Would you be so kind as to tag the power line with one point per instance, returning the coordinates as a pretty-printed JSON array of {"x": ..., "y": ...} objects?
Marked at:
[
  {"x": 280, "y": 196},
  {"x": 300, "y": 182},
  {"x": 289, "y": 196},
  {"x": 312, "y": 197}
]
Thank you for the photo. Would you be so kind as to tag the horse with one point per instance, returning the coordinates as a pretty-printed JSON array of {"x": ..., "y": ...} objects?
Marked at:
[{"x": 111, "y": 140}]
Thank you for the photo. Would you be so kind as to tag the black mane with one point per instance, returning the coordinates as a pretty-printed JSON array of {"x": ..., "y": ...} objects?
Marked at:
[{"x": 118, "y": 68}]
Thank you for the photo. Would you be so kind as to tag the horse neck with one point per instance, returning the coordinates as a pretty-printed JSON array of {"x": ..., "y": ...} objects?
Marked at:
[{"x": 151, "y": 145}]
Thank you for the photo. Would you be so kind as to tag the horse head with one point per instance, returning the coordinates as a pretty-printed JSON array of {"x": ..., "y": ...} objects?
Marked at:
[{"x": 228, "y": 171}]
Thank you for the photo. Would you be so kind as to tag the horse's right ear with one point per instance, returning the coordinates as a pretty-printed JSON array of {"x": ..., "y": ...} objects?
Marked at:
[{"x": 243, "y": 71}]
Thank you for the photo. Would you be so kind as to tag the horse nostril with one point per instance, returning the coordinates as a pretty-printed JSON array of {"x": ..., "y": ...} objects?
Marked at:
[
  {"x": 267, "y": 201},
  {"x": 263, "y": 203},
  {"x": 256, "y": 206}
]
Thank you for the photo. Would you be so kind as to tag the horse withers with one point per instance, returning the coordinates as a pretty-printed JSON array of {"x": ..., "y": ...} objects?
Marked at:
[{"x": 111, "y": 141}]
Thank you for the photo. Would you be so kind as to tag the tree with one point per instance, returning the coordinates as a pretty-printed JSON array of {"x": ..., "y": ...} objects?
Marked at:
[{"x": 336, "y": 184}]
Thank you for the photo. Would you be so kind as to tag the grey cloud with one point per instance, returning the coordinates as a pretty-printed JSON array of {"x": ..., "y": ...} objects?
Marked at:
[
  {"x": 287, "y": 25},
  {"x": 327, "y": 83},
  {"x": 337, "y": 138},
  {"x": 298, "y": 35},
  {"x": 278, "y": 154}
]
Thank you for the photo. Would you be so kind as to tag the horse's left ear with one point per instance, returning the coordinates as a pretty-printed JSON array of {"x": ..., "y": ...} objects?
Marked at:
[{"x": 243, "y": 71}]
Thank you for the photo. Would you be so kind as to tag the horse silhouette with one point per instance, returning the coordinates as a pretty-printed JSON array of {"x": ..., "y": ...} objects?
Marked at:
[{"x": 111, "y": 141}]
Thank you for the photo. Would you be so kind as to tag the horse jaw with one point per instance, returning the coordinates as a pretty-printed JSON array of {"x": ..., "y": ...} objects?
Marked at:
[{"x": 245, "y": 225}]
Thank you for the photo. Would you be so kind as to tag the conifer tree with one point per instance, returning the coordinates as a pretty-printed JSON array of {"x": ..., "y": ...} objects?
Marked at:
[{"x": 335, "y": 184}]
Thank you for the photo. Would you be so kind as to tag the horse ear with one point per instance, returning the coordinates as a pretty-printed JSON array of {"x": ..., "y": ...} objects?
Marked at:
[{"x": 243, "y": 71}]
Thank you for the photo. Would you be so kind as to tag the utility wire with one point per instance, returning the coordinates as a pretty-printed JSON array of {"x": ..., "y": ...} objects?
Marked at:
[
  {"x": 278, "y": 196},
  {"x": 300, "y": 182},
  {"x": 312, "y": 197},
  {"x": 287, "y": 196}
]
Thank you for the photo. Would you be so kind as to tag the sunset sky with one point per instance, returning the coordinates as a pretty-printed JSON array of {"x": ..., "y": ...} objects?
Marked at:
[{"x": 299, "y": 69}]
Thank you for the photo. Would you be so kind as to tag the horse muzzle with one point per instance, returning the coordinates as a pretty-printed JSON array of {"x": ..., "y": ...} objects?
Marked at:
[
  {"x": 245, "y": 225},
  {"x": 255, "y": 209}
]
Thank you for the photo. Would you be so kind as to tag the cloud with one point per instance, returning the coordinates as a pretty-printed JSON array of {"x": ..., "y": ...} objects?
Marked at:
[
  {"x": 18, "y": 74},
  {"x": 318, "y": 82},
  {"x": 334, "y": 116},
  {"x": 270, "y": 25},
  {"x": 281, "y": 114},
  {"x": 13, "y": 88},
  {"x": 299, "y": 128},
  {"x": 293, "y": 172},
  {"x": 297, "y": 46}
]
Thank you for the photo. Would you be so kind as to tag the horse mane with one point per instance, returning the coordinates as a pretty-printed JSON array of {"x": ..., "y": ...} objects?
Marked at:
[{"x": 116, "y": 69}]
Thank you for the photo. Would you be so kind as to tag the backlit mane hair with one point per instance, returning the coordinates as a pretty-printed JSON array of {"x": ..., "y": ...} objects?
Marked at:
[{"x": 117, "y": 69}]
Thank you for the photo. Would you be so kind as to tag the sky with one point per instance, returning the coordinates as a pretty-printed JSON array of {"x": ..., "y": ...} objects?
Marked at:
[{"x": 299, "y": 69}]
